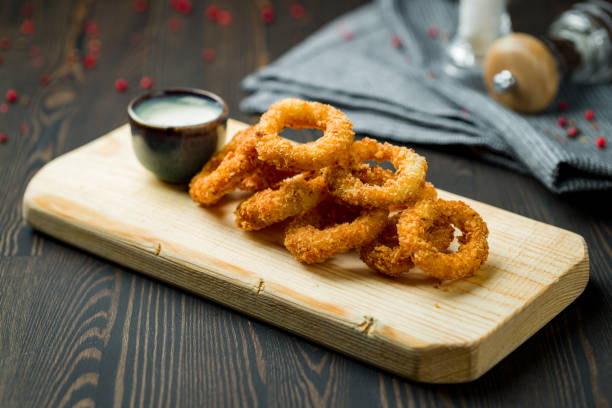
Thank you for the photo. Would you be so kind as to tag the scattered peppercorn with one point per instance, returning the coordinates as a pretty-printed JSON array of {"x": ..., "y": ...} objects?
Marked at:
[
  {"x": 600, "y": 142},
  {"x": 431, "y": 75},
  {"x": 267, "y": 14},
  {"x": 184, "y": 6},
  {"x": 347, "y": 35},
  {"x": 92, "y": 29},
  {"x": 212, "y": 13},
  {"x": 45, "y": 79},
  {"x": 562, "y": 121},
  {"x": 396, "y": 41},
  {"x": 572, "y": 132},
  {"x": 121, "y": 85},
  {"x": 589, "y": 114},
  {"x": 3, "y": 137},
  {"x": 297, "y": 11},
  {"x": 208, "y": 54},
  {"x": 1, "y": 60},
  {"x": 4, "y": 107},
  {"x": 89, "y": 61},
  {"x": 140, "y": 6},
  {"x": 11, "y": 96},
  {"x": 433, "y": 31},
  {"x": 562, "y": 106},
  {"x": 23, "y": 128},
  {"x": 146, "y": 82},
  {"x": 224, "y": 18},
  {"x": 27, "y": 27}
]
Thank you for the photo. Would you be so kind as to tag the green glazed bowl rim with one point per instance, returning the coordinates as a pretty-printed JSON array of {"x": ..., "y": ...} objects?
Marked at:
[{"x": 172, "y": 91}]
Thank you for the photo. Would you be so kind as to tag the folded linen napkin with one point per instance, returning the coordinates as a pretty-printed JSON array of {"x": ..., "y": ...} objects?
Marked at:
[{"x": 400, "y": 93}]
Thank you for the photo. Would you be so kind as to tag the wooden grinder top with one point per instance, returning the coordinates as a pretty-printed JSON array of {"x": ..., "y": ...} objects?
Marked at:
[{"x": 532, "y": 66}]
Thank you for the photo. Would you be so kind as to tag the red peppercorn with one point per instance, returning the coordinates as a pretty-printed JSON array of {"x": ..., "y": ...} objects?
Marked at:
[
  {"x": 268, "y": 15},
  {"x": 433, "y": 31},
  {"x": 562, "y": 106},
  {"x": 92, "y": 29},
  {"x": 572, "y": 132},
  {"x": 224, "y": 18},
  {"x": 23, "y": 128},
  {"x": 90, "y": 61},
  {"x": 208, "y": 54},
  {"x": 431, "y": 75},
  {"x": 4, "y": 107},
  {"x": 3, "y": 137},
  {"x": 5, "y": 43},
  {"x": 174, "y": 24},
  {"x": 212, "y": 13},
  {"x": 562, "y": 121},
  {"x": 600, "y": 142},
  {"x": 121, "y": 85},
  {"x": 27, "y": 27},
  {"x": 146, "y": 82},
  {"x": 45, "y": 79},
  {"x": 347, "y": 35},
  {"x": 1, "y": 60},
  {"x": 27, "y": 10},
  {"x": 11, "y": 96},
  {"x": 396, "y": 41},
  {"x": 184, "y": 6},
  {"x": 140, "y": 6},
  {"x": 297, "y": 11},
  {"x": 589, "y": 114},
  {"x": 37, "y": 62}
]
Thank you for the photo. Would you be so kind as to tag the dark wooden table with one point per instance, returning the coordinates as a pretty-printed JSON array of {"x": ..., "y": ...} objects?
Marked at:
[{"x": 76, "y": 330}]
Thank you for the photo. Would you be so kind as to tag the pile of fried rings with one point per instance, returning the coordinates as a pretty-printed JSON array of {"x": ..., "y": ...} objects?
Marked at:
[{"x": 331, "y": 200}]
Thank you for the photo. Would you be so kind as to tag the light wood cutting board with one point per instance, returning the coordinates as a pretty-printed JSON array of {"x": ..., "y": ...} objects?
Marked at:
[{"x": 99, "y": 198}]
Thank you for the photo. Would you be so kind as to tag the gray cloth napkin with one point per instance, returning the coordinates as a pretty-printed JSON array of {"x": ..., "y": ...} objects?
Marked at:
[{"x": 401, "y": 93}]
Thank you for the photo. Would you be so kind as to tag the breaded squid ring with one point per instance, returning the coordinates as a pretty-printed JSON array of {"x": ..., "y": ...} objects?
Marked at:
[
  {"x": 290, "y": 197},
  {"x": 405, "y": 185},
  {"x": 386, "y": 256},
  {"x": 224, "y": 172},
  {"x": 332, "y": 148},
  {"x": 473, "y": 250},
  {"x": 330, "y": 229}
]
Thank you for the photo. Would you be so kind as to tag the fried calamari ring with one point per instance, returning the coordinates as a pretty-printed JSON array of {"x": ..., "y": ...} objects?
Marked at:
[
  {"x": 290, "y": 197},
  {"x": 405, "y": 185},
  {"x": 332, "y": 148},
  {"x": 330, "y": 229},
  {"x": 386, "y": 256},
  {"x": 224, "y": 172},
  {"x": 473, "y": 250}
]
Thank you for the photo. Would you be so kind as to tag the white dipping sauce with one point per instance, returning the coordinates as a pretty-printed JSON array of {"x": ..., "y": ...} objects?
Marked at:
[{"x": 177, "y": 110}]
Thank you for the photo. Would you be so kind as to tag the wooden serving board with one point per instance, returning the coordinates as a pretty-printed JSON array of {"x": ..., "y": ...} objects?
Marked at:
[{"x": 99, "y": 198}]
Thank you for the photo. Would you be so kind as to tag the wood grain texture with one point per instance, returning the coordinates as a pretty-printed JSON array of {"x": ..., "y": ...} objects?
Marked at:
[
  {"x": 100, "y": 199},
  {"x": 567, "y": 363}
]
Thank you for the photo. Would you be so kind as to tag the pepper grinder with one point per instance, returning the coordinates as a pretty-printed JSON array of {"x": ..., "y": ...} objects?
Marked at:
[{"x": 523, "y": 72}]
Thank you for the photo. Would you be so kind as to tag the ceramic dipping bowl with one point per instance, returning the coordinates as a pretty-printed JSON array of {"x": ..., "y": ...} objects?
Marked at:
[{"x": 175, "y": 131}]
